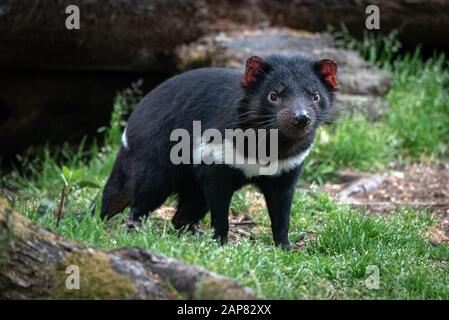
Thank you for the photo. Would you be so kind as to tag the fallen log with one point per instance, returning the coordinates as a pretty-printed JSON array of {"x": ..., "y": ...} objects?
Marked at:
[
  {"x": 422, "y": 21},
  {"x": 138, "y": 35},
  {"x": 37, "y": 264}
]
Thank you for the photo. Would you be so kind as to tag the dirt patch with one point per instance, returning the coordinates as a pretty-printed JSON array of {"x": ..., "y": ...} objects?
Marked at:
[
  {"x": 240, "y": 225},
  {"x": 418, "y": 185}
]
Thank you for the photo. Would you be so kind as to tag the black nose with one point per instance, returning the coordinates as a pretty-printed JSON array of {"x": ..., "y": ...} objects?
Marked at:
[{"x": 302, "y": 119}]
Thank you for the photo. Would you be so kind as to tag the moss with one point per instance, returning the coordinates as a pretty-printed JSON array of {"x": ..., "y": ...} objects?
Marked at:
[
  {"x": 221, "y": 289},
  {"x": 98, "y": 280}
]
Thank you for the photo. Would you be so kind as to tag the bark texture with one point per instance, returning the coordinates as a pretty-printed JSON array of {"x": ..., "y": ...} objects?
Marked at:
[{"x": 422, "y": 21}]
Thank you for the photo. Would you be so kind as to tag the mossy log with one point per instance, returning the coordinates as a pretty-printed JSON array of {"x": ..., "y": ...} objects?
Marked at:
[{"x": 37, "y": 264}]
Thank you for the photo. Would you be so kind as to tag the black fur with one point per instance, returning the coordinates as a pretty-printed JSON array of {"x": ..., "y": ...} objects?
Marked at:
[{"x": 143, "y": 175}]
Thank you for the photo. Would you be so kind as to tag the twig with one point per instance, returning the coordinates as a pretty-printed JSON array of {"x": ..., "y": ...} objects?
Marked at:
[
  {"x": 61, "y": 206},
  {"x": 242, "y": 223},
  {"x": 244, "y": 233}
]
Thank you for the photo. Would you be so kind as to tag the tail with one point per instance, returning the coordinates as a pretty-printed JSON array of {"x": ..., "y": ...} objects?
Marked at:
[{"x": 115, "y": 199}]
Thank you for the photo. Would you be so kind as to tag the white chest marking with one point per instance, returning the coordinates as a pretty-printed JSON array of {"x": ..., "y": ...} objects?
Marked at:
[
  {"x": 124, "y": 139},
  {"x": 275, "y": 167},
  {"x": 279, "y": 166}
]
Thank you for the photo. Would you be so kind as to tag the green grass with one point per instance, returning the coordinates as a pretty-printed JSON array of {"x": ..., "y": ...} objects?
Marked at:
[
  {"x": 341, "y": 244},
  {"x": 378, "y": 50},
  {"x": 333, "y": 266},
  {"x": 348, "y": 143},
  {"x": 419, "y": 101}
]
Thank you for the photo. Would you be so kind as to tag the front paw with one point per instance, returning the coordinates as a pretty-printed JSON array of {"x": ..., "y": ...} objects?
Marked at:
[
  {"x": 221, "y": 239},
  {"x": 189, "y": 228},
  {"x": 196, "y": 231},
  {"x": 286, "y": 245},
  {"x": 132, "y": 225}
]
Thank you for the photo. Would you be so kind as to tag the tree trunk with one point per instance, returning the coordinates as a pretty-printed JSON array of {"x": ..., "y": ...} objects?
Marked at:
[{"x": 37, "y": 264}]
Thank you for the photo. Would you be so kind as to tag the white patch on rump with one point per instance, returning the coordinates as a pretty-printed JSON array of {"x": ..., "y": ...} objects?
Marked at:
[{"x": 124, "y": 139}]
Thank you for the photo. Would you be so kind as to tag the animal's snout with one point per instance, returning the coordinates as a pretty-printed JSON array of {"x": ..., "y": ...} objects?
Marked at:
[{"x": 301, "y": 119}]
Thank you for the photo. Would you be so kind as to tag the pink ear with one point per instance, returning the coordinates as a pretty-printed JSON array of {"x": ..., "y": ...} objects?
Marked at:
[
  {"x": 253, "y": 66},
  {"x": 328, "y": 70}
]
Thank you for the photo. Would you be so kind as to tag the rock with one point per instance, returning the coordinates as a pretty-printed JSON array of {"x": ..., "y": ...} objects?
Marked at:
[
  {"x": 362, "y": 185},
  {"x": 46, "y": 206},
  {"x": 370, "y": 106},
  {"x": 364, "y": 80},
  {"x": 361, "y": 85}
]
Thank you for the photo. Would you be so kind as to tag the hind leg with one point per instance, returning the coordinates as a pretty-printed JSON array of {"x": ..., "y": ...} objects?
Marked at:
[
  {"x": 149, "y": 192},
  {"x": 145, "y": 202},
  {"x": 192, "y": 207}
]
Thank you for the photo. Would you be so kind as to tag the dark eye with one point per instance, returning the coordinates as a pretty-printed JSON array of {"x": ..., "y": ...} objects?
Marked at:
[
  {"x": 316, "y": 97},
  {"x": 272, "y": 97}
]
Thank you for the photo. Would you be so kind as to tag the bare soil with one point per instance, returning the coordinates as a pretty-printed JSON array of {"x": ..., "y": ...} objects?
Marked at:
[{"x": 417, "y": 185}]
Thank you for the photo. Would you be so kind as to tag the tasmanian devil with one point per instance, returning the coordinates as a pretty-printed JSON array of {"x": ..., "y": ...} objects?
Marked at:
[{"x": 290, "y": 95}]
